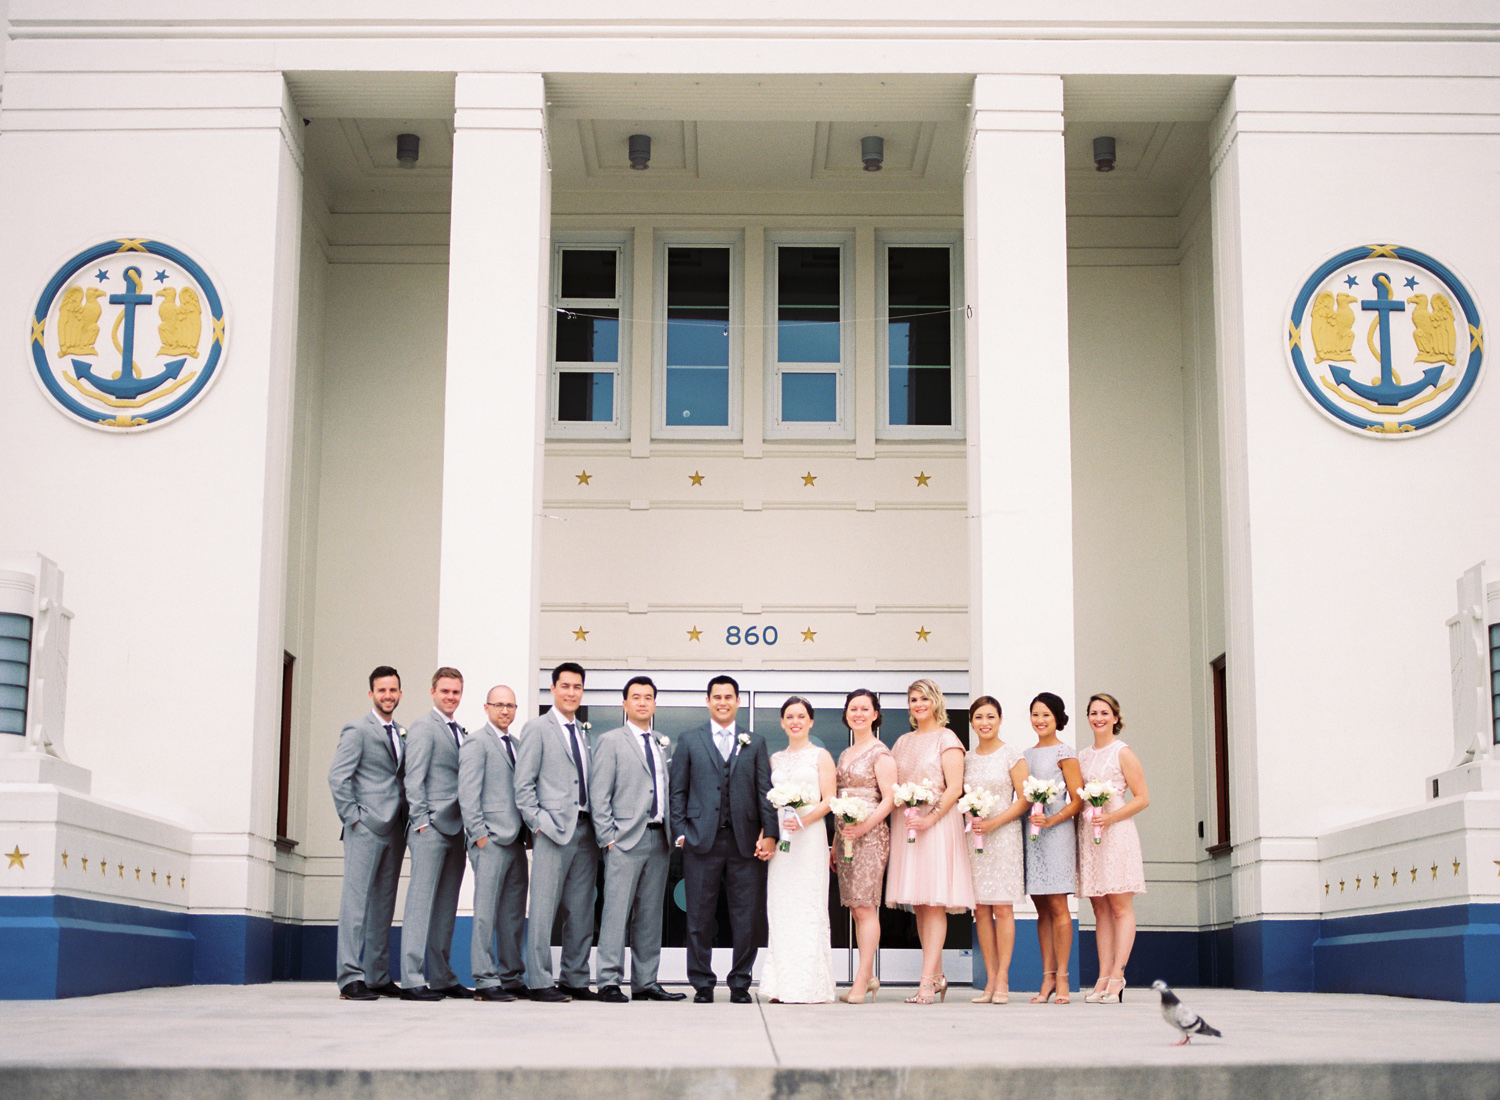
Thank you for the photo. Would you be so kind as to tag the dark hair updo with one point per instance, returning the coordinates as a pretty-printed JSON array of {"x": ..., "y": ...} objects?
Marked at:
[{"x": 1053, "y": 703}]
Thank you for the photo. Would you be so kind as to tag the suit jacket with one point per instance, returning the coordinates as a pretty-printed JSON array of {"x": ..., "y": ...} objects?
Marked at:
[
  {"x": 620, "y": 788},
  {"x": 432, "y": 775},
  {"x": 547, "y": 779},
  {"x": 487, "y": 787},
  {"x": 698, "y": 785},
  {"x": 365, "y": 777}
]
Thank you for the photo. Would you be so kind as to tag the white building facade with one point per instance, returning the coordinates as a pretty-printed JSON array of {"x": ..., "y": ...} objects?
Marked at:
[{"x": 987, "y": 414}]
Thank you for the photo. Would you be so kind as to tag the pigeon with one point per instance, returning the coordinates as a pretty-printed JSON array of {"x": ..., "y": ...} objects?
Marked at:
[{"x": 1180, "y": 1016}]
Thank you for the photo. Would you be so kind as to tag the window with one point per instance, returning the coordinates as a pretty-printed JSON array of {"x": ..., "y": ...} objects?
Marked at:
[
  {"x": 587, "y": 394},
  {"x": 15, "y": 671},
  {"x": 284, "y": 770},
  {"x": 806, "y": 392},
  {"x": 922, "y": 392},
  {"x": 698, "y": 354},
  {"x": 1221, "y": 753}
]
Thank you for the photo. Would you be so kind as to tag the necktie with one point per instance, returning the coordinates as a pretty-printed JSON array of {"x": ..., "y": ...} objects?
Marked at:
[
  {"x": 395, "y": 742},
  {"x": 458, "y": 737},
  {"x": 651, "y": 764},
  {"x": 583, "y": 790},
  {"x": 724, "y": 742},
  {"x": 510, "y": 749}
]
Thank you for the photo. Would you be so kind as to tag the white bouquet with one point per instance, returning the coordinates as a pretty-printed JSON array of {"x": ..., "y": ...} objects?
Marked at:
[
  {"x": 912, "y": 795},
  {"x": 1096, "y": 793},
  {"x": 1038, "y": 792},
  {"x": 790, "y": 797},
  {"x": 976, "y": 804},
  {"x": 849, "y": 811}
]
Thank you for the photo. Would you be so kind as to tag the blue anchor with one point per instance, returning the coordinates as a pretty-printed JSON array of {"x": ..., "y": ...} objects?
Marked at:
[
  {"x": 1388, "y": 393},
  {"x": 128, "y": 386}
]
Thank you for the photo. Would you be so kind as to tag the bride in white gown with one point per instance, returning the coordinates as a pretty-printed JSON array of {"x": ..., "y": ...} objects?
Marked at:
[{"x": 796, "y": 968}]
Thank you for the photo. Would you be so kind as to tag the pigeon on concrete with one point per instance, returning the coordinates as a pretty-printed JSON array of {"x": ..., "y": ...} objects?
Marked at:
[{"x": 1180, "y": 1016}]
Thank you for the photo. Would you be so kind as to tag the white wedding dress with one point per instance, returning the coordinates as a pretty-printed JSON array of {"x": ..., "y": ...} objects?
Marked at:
[{"x": 796, "y": 967}]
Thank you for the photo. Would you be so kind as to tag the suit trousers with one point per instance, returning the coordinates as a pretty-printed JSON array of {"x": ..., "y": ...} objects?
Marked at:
[
  {"x": 497, "y": 952},
  {"x": 437, "y": 871},
  {"x": 562, "y": 877},
  {"x": 635, "y": 887},
  {"x": 372, "y": 869},
  {"x": 745, "y": 880}
]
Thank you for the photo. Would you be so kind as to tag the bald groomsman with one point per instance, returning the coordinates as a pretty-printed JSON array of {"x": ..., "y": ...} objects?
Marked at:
[
  {"x": 365, "y": 780},
  {"x": 497, "y": 851},
  {"x": 630, "y": 798},
  {"x": 435, "y": 836}
]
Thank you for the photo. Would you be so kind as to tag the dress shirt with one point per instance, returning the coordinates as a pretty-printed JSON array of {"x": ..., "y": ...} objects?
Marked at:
[
  {"x": 723, "y": 738},
  {"x": 579, "y": 745},
  {"x": 392, "y": 731},
  {"x": 658, "y": 760}
]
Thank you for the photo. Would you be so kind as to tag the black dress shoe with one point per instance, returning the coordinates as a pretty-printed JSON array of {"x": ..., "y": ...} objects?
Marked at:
[
  {"x": 611, "y": 995},
  {"x": 386, "y": 989},
  {"x": 583, "y": 993},
  {"x": 740, "y": 997},
  {"x": 656, "y": 993},
  {"x": 493, "y": 993},
  {"x": 519, "y": 992},
  {"x": 550, "y": 995},
  {"x": 455, "y": 990},
  {"x": 357, "y": 991},
  {"x": 703, "y": 997},
  {"x": 421, "y": 993}
]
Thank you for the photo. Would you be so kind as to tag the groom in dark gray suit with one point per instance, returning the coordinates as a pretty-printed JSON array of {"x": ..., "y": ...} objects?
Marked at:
[
  {"x": 365, "y": 780},
  {"x": 727, "y": 830}
]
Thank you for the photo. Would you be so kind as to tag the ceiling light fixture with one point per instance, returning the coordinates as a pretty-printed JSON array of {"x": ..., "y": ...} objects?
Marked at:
[
  {"x": 407, "y": 146},
  {"x": 640, "y": 152},
  {"x": 872, "y": 152},
  {"x": 1104, "y": 154}
]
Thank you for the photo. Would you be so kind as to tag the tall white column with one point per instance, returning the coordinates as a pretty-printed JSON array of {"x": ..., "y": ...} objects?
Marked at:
[
  {"x": 495, "y": 387},
  {"x": 1020, "y": 464}
]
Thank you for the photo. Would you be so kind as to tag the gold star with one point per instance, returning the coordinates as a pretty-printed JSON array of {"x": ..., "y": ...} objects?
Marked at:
[
  {"x": 696, "y": 478},
  {"x": 581, "y": 635},
  {"x": 923, "y": 633},
  {"x": 65, "y": 861},
  {"x": 137, "y": 874},
  {"x": 695, "y": 634},
  {"x": 809, "y": 634},
  {"x": 183, "y": 882},
  {"x": 1497, "y": 866},
  {"x": 122, "y": 870},
  {"x": 17, "y": 857},
  {"x": 1394, "y": 873},
  {"x": 1414, "y": 874},
  {"x": 153, "y": 878},
  {"x": 103, "y": 867},
  {"x": 1455, "y": 867},
  {"x": 1325, "y": 889},
  {"x": 583, "y": 478},
  {"x": 86, "y": 865},
  {"x": 1341, "y": 886},
  {"x": 807, "y": 478},
  {"x": 1375, "y": 881},
  {"x": 1434, "y": 872},
  {"x": 923, "y": 478},
  {"x": 169, "y": 880}
]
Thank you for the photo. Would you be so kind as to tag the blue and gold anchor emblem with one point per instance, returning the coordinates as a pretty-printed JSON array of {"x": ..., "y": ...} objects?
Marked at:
[
  {"x": 123, "y": 276},
  {"x": 1417, "y": 311}
]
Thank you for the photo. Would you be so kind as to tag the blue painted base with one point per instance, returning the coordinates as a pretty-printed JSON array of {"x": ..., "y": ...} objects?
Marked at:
[
  {"x": 1449, "y": 953},
  {"x": 1275, "y": 955},
  {"x": 1026, "y": 959}
]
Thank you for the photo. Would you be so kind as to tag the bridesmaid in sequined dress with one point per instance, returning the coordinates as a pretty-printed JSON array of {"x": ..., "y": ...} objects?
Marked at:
[
  {"x": 1111, "y": 872},
  {"x": 999, "y": 870},
  {"x": 1052, "y": 857},
  {"x": 867, "y": 771}
]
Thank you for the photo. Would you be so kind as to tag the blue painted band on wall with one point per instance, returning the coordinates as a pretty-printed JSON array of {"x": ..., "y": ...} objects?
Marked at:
[{"x": 1448, "y": 952}]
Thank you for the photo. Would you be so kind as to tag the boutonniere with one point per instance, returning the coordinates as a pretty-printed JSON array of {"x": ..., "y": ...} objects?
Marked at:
[
  {"x": 402, "y": 732},
  {"x": 743, "y": 739},
  {"x": 663, "y": 741},
  {"x": 585, "y": 726}
]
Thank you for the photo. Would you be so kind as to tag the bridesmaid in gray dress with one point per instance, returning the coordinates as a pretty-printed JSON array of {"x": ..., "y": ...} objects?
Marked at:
[{"x": 1052, "y": 857}]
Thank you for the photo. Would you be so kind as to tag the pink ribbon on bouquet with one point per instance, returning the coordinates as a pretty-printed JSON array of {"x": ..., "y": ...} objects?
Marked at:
[
  {"x": 976, "y": 833},
  {"x": 1037, "y": 814},
  {"x": 911, "y": 834},
  {"x": 1093, "y": 813}
]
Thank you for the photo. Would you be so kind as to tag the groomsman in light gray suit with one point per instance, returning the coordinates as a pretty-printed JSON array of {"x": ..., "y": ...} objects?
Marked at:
[
  {"x": 497, "y": 851},
  {"x": 552, "y": 794},
  {"x": 630, "y": 797},
  {"x": 435, "y": 836},
  {"x": 366, "y": 783}
]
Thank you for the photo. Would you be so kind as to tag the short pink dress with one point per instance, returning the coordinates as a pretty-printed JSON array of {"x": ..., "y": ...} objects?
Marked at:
[
  {"x": 933, "y": 870},
  {"x": 1114, "y": 865}
]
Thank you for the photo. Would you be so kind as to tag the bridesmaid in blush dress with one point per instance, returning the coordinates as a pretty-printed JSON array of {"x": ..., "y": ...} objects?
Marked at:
[
  {"x": 930, "y": 875},
  {"x": 1052, "y": 857},
  {"x": 999, "y": 870},
  {"x": 867, "y": 771},
  {"x": 1111, "y": 872}
]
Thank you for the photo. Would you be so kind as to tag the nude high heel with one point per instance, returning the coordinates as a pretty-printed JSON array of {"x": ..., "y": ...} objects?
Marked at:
[
  {"x": 1113, "y": 996},
  {"x": 941, "y": 988},
  {"x": 870, "y": 990},
  {"x": 1039, "y": 999},
  {"x": 1098, "y": 994},
  {"x": 924, "y": 993},
  {"x": 984, "y": 998}
]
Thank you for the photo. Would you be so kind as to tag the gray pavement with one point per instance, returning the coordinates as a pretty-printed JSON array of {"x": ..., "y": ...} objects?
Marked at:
[{"x": 299, "y": 1040}]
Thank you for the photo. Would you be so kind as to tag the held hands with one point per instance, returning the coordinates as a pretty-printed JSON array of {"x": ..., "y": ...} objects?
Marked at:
[{"x": 765, "y": 847}]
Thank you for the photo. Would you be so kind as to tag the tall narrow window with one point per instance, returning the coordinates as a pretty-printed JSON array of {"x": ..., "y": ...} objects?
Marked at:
[
  {"x": 1221, "y": 753},
  {"x": 699, "y": 388},
  {"x": 586, "y": 353},
  {"x": 284, "y": 776},
  {"x": 806, "y": 382},
  {"x": 922, "y": 384},
  {"x": 15, "y": 671}
]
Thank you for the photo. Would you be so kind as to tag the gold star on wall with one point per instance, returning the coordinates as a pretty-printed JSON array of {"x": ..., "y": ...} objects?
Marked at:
[
  {"x": 923, "y": 478},
  {"x": 923, "y": 633},
  {"x": 696, "y": 478},
  {"x": 182, "y": 882},
  {"x": 153, "y": 878},
  {"x": 1497, "y": 866},
  {"x": 86, "y": 865},
  {"x": 103, "y": 867},
  {"x": 1375, "y": 881},
  {"x": 580, "y": 635},
  {"x": 1341, "y": 886},
  {"x": 1394, "y": 873},
  {"x": 1414, "y": 874},
  {"x": 17, "y": 858},
  {"x": 137, "y": 874},
  {"x": 122, "y": 870},
  {"x": 583, "y": 478},
  {"x": 169, "y": 880},
  {"x": 65, "y": 861},
  {"x": 695, "y": 635},
  {"x": 1455, "y": 867},
  {"x": 809, "y": 634},
  {"x": 1325, "y": 889},
  {"x": 1434, "y": 872},
  {"x": 807, "y": 478}
]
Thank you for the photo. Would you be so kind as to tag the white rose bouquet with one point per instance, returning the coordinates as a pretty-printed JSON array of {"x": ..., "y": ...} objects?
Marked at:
[
  {"x": 1039, "y": 792},
  {"x": 976, "y": 804},
  {"x": 912, "y": 795},
  {"x": 1096, "y": 794},
  {"x": 849, "y": 811},
  {"x": 789, "y": 798}
]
